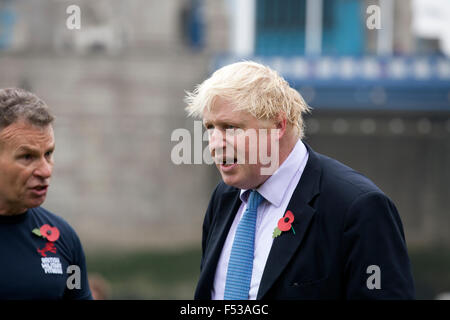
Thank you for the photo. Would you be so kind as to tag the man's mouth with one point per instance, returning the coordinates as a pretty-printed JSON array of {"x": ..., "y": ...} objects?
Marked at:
[
  {"x": 40, "y": 187},
  {"x": 40, "y": 190},
  {"x": 228, "y": 164},
  {"x": 229, "y": 161}
]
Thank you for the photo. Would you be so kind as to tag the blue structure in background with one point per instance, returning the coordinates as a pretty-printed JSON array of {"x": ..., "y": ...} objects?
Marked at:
[
  {"x": 7, "y": 21},
  {"x": 363, "y": 83},
  {"x": 280, "y": 27},
  {"x": 196, "y": 24},
  {"x": 342, "y": 27},
  {"x": 342, "y": 76}
]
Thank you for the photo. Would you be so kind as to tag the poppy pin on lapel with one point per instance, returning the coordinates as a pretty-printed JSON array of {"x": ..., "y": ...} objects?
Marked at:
[{"x": 284, "y": 224}]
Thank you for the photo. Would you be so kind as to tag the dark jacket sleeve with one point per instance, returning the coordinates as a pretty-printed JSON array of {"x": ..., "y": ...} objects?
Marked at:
[
  {"x": 376, "y": 261},
  {"x": 207, "y": 222}
]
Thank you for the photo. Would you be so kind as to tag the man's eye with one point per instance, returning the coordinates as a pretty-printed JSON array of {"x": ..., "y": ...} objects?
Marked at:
[
  {"x": 48, "y": 154},
  {"x": 27, "y": 157}
]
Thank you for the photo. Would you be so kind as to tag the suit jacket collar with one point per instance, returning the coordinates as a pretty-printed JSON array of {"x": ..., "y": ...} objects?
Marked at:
[{"x": 285, "y": 245}]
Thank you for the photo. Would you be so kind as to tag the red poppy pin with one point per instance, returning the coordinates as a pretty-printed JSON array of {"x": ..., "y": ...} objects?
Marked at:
[
  {"x": 49, "y": 233},
  {"x": 284, "y": 224}
]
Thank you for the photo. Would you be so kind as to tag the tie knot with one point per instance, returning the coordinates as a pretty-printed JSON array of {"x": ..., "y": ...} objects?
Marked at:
[{"x": 254, "y": 200}]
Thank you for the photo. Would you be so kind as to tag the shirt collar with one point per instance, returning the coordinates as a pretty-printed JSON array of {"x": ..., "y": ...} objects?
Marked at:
[{"x": 274, "y": 188}]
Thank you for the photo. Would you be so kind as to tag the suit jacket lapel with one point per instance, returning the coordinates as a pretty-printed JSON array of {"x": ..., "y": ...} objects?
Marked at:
[
  {"x": 285, "y": 245},
  {"x": 228, "y": 208}
]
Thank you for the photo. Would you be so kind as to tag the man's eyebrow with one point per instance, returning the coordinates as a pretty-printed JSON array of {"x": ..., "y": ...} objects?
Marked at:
[
  {"x": 26, "y": 148},
  {"x": 224, "y": 122}
]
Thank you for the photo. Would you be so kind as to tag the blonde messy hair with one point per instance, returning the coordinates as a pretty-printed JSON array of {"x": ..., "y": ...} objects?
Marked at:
[{"x": 251, "y": 87}]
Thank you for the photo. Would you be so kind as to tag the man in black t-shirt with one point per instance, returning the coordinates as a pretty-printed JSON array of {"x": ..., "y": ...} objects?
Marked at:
[{"x": 41, "y": 255}]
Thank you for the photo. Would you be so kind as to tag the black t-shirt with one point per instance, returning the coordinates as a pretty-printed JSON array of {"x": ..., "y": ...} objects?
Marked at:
[{"x": 33, "y": 267}]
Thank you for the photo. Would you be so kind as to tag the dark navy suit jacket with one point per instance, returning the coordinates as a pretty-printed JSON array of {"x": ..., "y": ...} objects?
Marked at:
[{"x": 344, "y": 225}]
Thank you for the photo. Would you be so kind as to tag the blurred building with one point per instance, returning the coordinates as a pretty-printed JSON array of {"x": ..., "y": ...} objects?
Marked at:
[
  {"x": 117, "y": 86},
  {"x": 377, "y": 79}
]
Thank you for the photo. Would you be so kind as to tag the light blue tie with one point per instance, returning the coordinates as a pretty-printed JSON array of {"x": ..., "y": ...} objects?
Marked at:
[{"x": 240, "y": 266}]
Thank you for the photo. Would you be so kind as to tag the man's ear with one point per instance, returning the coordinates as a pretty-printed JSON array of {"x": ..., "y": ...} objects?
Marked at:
[{"x": 281, "y": 125}]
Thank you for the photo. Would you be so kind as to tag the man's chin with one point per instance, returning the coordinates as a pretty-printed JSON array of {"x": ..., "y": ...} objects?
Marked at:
[
  {"x": 231, "y": 181},
  {"x": 35, "y": 202},
  {"x": 236, "y": 182}
]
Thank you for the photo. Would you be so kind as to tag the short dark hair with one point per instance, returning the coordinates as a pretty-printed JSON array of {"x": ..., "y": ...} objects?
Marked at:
[{"x": 18, "y": 104}]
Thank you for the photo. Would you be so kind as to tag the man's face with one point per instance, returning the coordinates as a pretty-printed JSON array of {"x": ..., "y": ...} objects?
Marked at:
[
  {"x": 26, "y": 164},
  {"x": 233, "y": 145}
]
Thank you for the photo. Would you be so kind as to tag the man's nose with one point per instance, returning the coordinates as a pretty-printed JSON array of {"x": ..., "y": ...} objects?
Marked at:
[
  {"x": 44, "y": 169},
  {"x": 216, "y": 140}
]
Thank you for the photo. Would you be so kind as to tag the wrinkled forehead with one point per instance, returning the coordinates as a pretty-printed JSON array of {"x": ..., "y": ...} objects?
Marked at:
[
  {"x": 23, "y": 133},
  {"x": 223, "y": 108},
  {"x": 217, "y": 102},
  {"x": 224, "y": 104}
]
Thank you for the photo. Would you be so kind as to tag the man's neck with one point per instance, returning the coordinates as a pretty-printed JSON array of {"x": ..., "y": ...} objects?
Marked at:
[
  {"x": 286, "y": 147},
  {"x": 6, "y": 210}
]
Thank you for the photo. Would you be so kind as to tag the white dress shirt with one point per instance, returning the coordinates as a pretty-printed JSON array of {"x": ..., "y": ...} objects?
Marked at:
[{"x": 277, "y": 192}]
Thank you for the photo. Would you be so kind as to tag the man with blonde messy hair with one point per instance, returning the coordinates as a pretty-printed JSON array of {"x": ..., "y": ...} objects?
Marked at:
[
  {"x": 311, "y": 228},
  {"x": 254, "y": 88}
]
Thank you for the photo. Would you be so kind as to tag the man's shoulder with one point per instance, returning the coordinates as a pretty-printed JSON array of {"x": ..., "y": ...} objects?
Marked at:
[{"x": 339, "y": 178}]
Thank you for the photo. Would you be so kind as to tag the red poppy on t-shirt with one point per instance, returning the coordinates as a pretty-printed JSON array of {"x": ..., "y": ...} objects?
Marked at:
[{"x": 50, "y": 233}]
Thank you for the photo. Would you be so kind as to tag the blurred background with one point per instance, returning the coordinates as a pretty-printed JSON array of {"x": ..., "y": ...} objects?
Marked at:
[{"x": 376, "y": 73}]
